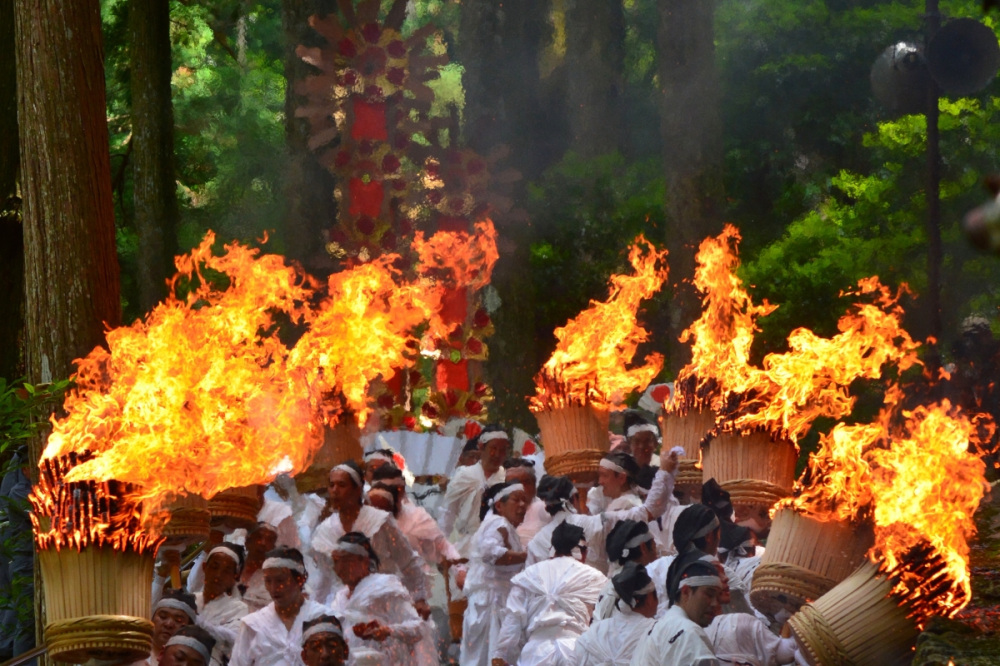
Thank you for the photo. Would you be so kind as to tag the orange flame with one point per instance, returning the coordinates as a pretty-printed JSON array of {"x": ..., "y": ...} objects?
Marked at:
[
  {"x": 460, "y": 258},
  {"x": 593, "y": 350}
]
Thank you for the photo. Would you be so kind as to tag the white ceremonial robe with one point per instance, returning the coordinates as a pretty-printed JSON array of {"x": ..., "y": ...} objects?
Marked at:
[
  {"x": 487, "y": 586},
  {"x": 598, "y": 503},
  {"x": 534, "y": 519},
  {"x": 657, "y": 572},
  {"x": 663, "y": 529},
  {"x": 549, "y": 606},
  {"x": 221, "y": 618},
  {"x": 263, "y": 639},
  {"x": 382, "y": 597},
  {"x": 389, "y": 543},
  {"x": 742, "y": 638},
  {"x": 675, "y": 640},
  {"x": 597, "y": 527},
  {"x": 460, "y": 507},
  {"x": 613, "y": 641},
  {"x": 255, "y": 594},
  {"x": 425, "y": 536}
]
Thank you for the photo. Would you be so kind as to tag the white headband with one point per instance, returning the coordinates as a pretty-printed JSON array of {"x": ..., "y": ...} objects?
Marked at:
[
  {"x": 222, "y": 550},
  {"x": 321, "y": 628},
  {"x": 512, "y": 488},
  {"x": 650, "y": 587},
  {"x": 351, "y": 548},
  {"x": 176, "y": 604},
  {"x": 491, "y": 435},
  {"x": 351, "y": 471},
  {"x": 192, "y": 643},
  {"x": 607, "y": 464},
  {"x": 636, "y": 541},
  {"x": 283, "y": 563},
  {"x": 384, "y": 493},
  {"x": 641, "y": 427},
  {"x": 712, "y": 526},
  {"x": 700, "y": 581},
  {"x": 378, "y": 455}
]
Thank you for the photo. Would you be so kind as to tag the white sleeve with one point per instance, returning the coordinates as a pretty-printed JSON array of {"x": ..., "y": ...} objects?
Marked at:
[
  {"x": 492, "y": 546},
  {"x": 402, "y": 619},
  {"x": 512, "y": 629},
  {"x": 243, "y": 652},
  {"x": 394, "y": 543},
  {"x": 461, "y": 505}
]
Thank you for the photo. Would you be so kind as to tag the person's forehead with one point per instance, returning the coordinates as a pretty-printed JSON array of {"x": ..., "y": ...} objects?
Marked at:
[{"x": 174, "y": 613}]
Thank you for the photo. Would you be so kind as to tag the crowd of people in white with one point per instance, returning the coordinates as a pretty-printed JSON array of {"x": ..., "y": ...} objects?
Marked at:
[{"x": 631, "y": 574}]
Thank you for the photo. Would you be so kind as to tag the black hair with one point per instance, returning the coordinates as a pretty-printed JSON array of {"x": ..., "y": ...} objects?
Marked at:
[
  {"x": 395, "y": 491},
  {"x": 565, "y": 537},
  {"x": 626, "y": 462},
  {"x": 359, "y": 539},
  {"x": 511, "y": 463},
  {"x": 326, "y": 619},
  {"x": 286, "y": 553},
  {"x": 357, "y": 468},
  {"x": 386, "y": 472},
  {"x": 692, "y": 520},
  {"x": 623, "y": 532},
  {"x": 556, "y": 492},
  {"x": 684, "y": 567}
]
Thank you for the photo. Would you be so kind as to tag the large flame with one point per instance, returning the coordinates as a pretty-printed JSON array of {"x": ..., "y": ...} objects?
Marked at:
[
  {"x": 205, "y": 395},
  {"x": 198, "y": 397},
  {"x": 462, "y": 259},
  {"x": 594, "y": 349}
]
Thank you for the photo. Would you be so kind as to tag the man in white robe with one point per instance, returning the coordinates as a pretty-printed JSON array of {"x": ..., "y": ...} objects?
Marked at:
[
  {"x": 678, "y": 638},
  {"x": 323, "y": 642},
  {"x": 522, "y": 470},
  {"x": 617, "y": 489},
  {"x": 459, "y": 517},
  {"x": 190, "y": 646},
  {"x": 744, "y": 639},
  {"x": 550, "y": 605},
  {"x": 220, "y": 608},
  {"x": 273, "y": 635},
  {"x": 613, "y": 641},
  {"x": 390, "y": 544},
  {"x": 629, "y": 541}
]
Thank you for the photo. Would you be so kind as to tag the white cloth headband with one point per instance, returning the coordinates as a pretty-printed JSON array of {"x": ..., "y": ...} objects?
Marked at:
[
  {"x": 641, "y": 427},
  {"x": 712, "y": 526},
  {"x": 636, "y": 541},
  {"x": 178, "y": 605},
  {"x": 378, "y": 455},
  {"x": 321, "y": 628},
  {"x": 192, "y": 643},
  {"x": 700, "y": 581},
  {"x": 351, "y": 471},
  {"x": 222, "y": 550},
  {"x": 382, "y": 492},
  {"x": 513, "y": 488},
  {"x": 607, "y": 464},
  {"x": 491, "y": 435},
  {"x": 351, "y": 548},
  {"x": 650, "y": 586},
  {"x": 283, "y": 563}
]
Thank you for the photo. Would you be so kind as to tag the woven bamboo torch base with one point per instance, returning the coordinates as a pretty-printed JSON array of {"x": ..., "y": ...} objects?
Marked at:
[
  {"x": 755, "y": 469},
  {"x": 574, "y": 438},
  {"x": 340, "y": 444},
  {"x": 236, "y": 508},
  {"x": 687, "y": 430},
  {"x": 856, "y": 623},
  {"x": 190, "y": 521},
  {"x": 805, "y": 558},
  {"x": 98, "y": 604}
]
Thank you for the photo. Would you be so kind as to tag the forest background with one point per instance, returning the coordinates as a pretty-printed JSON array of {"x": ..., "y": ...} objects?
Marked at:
[{"x": 667, "y": 118}]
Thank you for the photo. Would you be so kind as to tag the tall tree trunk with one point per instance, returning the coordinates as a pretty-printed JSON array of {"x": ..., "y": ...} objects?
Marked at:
[
  {"x": 499, "y": 45},
  {"x": 11, "y": 245},
  {"x": 154, "y": 187},
  {"x": 691, "y": 128},
  {"x": 595, "y": 73},
  {"x": 312, "y": 210}
]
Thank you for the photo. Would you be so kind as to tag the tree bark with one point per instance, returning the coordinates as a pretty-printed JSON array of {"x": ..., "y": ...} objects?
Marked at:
[
  {"x": 11, "y": 244},
  {"x": 312, "y": 210},
  {"x": 691, "y": 128},
  {"x": 154, "y": 189},
  {"x": 595, "y": 72}
]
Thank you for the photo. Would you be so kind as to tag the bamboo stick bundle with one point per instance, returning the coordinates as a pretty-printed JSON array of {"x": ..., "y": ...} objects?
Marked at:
[
  {"x": 341, "y": 442},
  {"x": 688, "y": 430},
  {"x": 755, "y": 468},
  {"x": 805, "y": 558},
  {"x": 236, "y": 507}
]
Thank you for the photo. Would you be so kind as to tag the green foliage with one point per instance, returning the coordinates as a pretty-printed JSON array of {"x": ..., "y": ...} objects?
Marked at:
[
  {"x": 585, "y": 214},
  {"x": 20, "y": 404}
]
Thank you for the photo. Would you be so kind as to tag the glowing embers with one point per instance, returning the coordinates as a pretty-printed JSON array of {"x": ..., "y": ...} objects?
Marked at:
[{"x": 96, "y": 560}]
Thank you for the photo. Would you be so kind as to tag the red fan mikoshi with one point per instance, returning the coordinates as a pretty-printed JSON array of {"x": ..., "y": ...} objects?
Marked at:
[
  {"x": 805, "y": 558},
  {"x": 754, "y": 468},
  {"x": 857, "y": 623},
  {"x": 237, "y": 508},
  {"x": 96, "y": 562}
]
